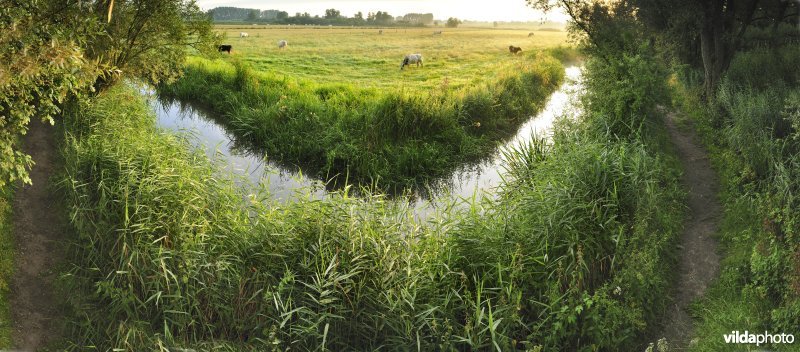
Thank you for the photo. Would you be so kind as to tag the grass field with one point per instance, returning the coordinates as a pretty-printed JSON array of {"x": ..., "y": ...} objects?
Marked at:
[
  {"x": 336, "y": 102},
  {"x": 458, "y": 57}
]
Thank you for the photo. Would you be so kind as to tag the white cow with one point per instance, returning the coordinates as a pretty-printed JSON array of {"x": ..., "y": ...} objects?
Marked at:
[
  {"x": 282, "y": 44},
  {"x": 243, "y": 35},
  {"x": 411, "y": 59}
]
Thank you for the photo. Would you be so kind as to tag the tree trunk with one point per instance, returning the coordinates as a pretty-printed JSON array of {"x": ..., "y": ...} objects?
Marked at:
[
  {"x": 709, "y": 49},
  {"x": 719, "y": 38},
  {"x": 714, "y": 44}
]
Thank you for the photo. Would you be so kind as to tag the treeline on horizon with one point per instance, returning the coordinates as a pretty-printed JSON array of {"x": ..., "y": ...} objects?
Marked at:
[{"x": 335, "y": 17}]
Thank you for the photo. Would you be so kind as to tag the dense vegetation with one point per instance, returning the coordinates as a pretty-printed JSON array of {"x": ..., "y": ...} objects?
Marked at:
[
  {"x": 51, "y": 51},
  {"x": 573, "y": 255},
  {"x": 575, "y": 252},
  {"x": 393, "y": 140},
  {"x": 752, "y": 131}
]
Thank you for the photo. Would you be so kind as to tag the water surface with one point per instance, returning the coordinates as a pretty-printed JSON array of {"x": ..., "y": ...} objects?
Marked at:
[{"x": 284, "y": 183}]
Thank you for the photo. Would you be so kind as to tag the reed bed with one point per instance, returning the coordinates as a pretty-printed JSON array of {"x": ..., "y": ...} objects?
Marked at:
[{"x": 169, "y": 254}]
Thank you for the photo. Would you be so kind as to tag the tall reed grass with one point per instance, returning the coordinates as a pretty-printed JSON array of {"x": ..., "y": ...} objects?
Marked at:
[
  {"x": 169, "y": 254},
  {"x": 392, "y": 139}
]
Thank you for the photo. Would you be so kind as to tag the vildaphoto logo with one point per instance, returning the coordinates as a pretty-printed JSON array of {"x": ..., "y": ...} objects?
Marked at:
[{"x": 758, "y": 339}]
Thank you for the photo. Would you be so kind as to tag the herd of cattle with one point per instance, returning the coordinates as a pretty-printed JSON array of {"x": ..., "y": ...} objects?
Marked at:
[{"x": 408, "y": 60}]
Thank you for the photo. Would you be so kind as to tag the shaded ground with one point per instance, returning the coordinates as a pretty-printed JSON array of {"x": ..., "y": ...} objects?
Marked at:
[
  {"x": 699, "y": 261},
  {"x": 37, "y": 232}
]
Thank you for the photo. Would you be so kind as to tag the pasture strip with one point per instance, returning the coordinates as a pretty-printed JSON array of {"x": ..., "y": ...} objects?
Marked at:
[{"x": 395, "y": 140}]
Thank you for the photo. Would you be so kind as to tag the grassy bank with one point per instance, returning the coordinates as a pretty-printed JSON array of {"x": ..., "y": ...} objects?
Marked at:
[
  {"x": 752, "y": 133},
  {"x": 6, "y": 266},
  {"x": 574, "y": 255},
  {"x": 361, "y": 57},
  {"x": 393, "y": 139}
]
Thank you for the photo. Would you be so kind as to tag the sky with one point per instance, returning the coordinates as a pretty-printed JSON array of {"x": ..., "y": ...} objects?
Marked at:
[{"x": 480, "y": 10}]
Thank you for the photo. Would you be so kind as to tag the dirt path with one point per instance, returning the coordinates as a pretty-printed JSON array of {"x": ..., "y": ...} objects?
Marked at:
[
  {"x": 699, "y": 261},
  {"x": 37, "y": 234}
]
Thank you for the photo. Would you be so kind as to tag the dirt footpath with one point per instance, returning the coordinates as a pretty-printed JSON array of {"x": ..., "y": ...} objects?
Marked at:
[
  {"x": 37, "y": 226},
  {"x": 699, "y": 261}
]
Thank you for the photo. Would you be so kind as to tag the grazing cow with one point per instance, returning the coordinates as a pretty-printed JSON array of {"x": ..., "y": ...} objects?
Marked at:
[
  {"x": 380, "y": 31},
  {"x": 514, "y": 49},
  {"x": 243, "y": 35},
  {"x": 530, "y": 34},
  {"x": 225, "y": 47},
  {"x": 282, "y": 44},
  {"x": 437, "y": 32},
  {"x": 411, "y": 59}
]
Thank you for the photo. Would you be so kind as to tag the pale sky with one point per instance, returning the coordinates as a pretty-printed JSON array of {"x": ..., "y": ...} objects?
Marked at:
[{"x": 481, "y": 10}]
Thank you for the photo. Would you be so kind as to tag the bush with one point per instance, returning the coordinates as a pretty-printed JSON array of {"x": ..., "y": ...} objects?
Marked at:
[{"x": 622, "y": 97}]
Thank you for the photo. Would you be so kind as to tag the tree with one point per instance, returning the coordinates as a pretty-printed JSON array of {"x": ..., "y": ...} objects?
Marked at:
[
  {"x": 147, "y": 38},
  {"x": 706, "y": 33},
  {"x": 381, "y": 17},
  {"x": 710, "y": 32},
  {"x": 332, "y": 13},
  {"x": 253, "y": 15},
  {"x": 41, "y": 66},
  {"x": 452, "y": 22},
  {"x": 282, "y": 15},
  {"x": 54, "y": 50},
  {"x": 359, "y": 16}
]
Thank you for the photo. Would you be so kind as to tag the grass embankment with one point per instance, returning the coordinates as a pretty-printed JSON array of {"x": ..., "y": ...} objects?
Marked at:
[
  {"x": 6, "y": 266},
  {"x": 393, "y": 140},
  {"x": 752, "y": 133},
  {"x": 573, "y": 255}
]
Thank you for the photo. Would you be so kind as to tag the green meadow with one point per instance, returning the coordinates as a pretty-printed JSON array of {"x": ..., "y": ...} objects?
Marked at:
[
  {"x": 336, "y": 102},
  {"x": 457, "y": 58}
]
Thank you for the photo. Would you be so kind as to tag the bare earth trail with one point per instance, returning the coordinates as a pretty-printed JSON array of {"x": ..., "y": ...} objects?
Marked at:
[
  {"x": 38, "y": 225},
  {"x": 698, "y": 261}
]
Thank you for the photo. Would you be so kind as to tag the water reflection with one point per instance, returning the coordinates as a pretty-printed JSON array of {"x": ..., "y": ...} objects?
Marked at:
[
  {"x": 284, "y": 183},
  {"x": 481, "y": 179}
]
